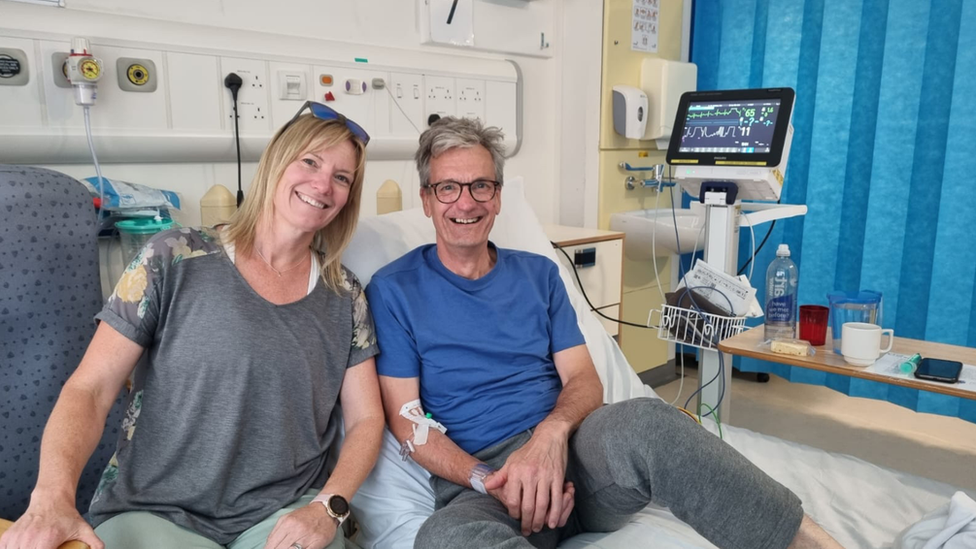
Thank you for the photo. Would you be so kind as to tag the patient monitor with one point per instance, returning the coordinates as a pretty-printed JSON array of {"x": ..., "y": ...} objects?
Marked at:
[
  {"x": 738, "y": 136},
  {"x": 728, "y": 147}
]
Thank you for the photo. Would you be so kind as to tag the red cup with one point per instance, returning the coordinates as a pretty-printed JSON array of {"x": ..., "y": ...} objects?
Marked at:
[{"x": 813, "y": 323}]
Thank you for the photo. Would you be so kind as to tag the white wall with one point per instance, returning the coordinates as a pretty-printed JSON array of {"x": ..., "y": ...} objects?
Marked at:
[
  {"x": 579, "y": 75},
  {"x": 389, "y": 23}
]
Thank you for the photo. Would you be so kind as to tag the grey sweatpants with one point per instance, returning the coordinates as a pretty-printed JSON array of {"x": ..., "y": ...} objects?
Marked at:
[{"x": 622, "y": 457}]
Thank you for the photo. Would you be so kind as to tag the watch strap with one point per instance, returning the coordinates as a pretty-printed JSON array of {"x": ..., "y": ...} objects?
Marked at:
[{"x": 324, "y": 500}]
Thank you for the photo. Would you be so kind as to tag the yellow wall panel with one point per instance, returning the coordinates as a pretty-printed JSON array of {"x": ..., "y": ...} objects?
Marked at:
[{"x": 621, "y": 65}]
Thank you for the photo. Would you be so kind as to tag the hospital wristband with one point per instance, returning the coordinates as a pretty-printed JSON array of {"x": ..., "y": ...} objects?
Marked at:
[{"x": 478, "y": 475}]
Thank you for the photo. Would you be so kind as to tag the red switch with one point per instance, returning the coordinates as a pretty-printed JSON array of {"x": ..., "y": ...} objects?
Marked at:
[{"x": 329, "y": 96}]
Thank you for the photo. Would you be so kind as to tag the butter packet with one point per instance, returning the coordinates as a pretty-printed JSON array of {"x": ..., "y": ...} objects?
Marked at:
[{"x": 793, "y": 347}]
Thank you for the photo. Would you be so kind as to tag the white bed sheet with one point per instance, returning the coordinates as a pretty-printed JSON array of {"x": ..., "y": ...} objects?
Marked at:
[{"x": 860, "y": 504}]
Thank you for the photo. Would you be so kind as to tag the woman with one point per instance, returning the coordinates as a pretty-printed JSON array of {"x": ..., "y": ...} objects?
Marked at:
[{"x": 251, "y": 334}]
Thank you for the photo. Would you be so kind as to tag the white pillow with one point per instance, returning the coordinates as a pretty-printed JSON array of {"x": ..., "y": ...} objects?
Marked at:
[{"x": 396, "y": 498}]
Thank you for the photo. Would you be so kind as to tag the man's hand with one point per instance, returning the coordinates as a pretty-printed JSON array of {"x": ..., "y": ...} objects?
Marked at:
[
  {"x": 310, "y": 526},
  {"x": 46, "y": 526},
  {"x": 531, "y": 483}
]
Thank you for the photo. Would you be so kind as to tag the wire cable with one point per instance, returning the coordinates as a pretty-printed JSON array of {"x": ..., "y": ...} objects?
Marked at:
[
  {"x": 715, "y": 416},
  {"x": 407, "y": 116},
  {"x": 237, "y": 140},
  {"x": 587, "y": 298},
  {"x": 752, "y": 231}
]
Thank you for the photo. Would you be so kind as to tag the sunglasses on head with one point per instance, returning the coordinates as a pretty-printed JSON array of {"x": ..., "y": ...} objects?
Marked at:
[{"x": 323, "y": 112}]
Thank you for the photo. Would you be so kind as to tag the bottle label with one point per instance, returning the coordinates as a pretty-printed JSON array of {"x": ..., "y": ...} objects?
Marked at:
[{"x": 780, "y": 309}]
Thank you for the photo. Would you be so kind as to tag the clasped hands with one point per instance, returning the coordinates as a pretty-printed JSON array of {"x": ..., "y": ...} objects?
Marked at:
[{"x": 532, "y": 484}]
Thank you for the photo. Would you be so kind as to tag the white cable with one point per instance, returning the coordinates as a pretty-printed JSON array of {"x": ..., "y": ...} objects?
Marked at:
[
  {"x": 681, "y": 384},
  {"x": 98, "y": 169},
  {"x": 657, "y": 273}
]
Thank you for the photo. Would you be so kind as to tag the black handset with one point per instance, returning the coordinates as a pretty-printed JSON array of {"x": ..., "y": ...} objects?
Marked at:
[{"x": 936, "y": 369}]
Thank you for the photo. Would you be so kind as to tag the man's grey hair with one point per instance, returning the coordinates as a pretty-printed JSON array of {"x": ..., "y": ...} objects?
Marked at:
[{"x": 453, "y": 133}]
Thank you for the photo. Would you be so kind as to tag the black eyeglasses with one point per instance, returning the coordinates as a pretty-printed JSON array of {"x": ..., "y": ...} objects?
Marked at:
[
  {"x": 323, "y": 112},
  {"x": 449, "y": 191}
]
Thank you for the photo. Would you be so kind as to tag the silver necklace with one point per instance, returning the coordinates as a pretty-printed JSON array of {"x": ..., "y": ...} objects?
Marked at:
[{"x": 277, "y": 272}]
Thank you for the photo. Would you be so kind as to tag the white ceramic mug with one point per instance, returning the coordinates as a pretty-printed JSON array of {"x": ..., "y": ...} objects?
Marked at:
[{"x": 860, "y": 342}]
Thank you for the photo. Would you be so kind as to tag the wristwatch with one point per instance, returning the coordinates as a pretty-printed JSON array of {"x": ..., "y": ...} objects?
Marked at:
[
  {"x": 478, "y": 475},
  {"x": 335, "y": 505}
]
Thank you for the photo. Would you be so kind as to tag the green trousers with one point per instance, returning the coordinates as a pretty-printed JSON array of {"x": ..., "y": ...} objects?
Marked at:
[{"x": 140, "y": 530}]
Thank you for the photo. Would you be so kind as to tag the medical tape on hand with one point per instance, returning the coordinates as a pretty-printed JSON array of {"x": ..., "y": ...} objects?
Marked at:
[{"x": 422, "y": 423}]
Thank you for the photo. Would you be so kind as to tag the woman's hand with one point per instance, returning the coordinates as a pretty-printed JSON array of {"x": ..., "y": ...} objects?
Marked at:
[
  {"x": 310, "y": 527},
  {"x": 46, "y": 526}
]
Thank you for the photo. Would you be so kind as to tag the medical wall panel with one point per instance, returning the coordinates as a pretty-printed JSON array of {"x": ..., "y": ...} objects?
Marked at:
[
  {"x": 192, "y": 108},
  {"x": 471, "y": 98},
  {"x": 441, "y": 97},
  {"x": 188, "y": 116},
  {"x": 59, "y": 102},
  {"x": 502, "y": 110},
  {"x": 253, "y": 113},
  {"x": 127, "y": 110},
  {"x": 407, "y": 111},
  {"x": 290, "y": 86},
  {"x": 20, "y": 105}
]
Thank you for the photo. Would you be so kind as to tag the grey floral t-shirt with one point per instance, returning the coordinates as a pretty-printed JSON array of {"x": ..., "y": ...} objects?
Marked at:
[{"x": 233, "y": 407}]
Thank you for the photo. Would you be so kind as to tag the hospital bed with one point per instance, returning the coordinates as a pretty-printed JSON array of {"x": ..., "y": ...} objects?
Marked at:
[{"x": 860, "y": 504}]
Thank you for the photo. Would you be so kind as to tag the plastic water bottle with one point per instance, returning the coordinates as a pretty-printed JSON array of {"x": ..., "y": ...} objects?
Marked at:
[{"x": 782, "y": 279}]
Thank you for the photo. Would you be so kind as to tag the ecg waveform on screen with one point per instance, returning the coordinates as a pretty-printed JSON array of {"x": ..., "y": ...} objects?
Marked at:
[{"x": 729, "y": 128}]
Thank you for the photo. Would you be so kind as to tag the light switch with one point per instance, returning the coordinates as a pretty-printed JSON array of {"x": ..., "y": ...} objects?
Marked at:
[
  {"x": 416, "y": 92},
  {"x": 291, "y": 85},
  {"x": 399, "y": 92}
]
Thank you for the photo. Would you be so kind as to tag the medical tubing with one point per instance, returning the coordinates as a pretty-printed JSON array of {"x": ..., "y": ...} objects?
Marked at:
[
  {"x": 587, "y": 298},
  {"x": 657, "y": 273},
  {"x": 98, "y": 169}
]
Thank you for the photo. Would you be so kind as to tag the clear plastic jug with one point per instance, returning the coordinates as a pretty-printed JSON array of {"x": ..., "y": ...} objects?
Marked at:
[{"x": 860, "y": 306}]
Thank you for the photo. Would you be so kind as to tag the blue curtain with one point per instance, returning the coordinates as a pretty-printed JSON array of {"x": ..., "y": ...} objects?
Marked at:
[{"x": 884, "y": 150}]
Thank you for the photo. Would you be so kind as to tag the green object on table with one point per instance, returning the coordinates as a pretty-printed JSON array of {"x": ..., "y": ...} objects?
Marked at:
[{"x": 909, "y": 366}]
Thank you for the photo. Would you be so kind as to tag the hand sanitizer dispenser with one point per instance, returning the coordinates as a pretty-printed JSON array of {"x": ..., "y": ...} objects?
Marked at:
[{"x": 629, "y": 111}]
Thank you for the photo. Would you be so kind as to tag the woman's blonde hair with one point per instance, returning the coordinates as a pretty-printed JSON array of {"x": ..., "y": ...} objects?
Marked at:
[{"x": 306, "y": 134}]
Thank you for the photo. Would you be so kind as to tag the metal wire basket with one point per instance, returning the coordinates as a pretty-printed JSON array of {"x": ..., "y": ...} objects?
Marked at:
[{"x": 697, "y": 329}]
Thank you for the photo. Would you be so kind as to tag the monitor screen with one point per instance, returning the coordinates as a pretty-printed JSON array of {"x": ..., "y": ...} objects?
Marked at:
[{"x": 735, "y": 127}]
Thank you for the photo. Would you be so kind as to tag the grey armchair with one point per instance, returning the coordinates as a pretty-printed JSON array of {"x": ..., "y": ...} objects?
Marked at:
[{"x": 49, "y": 292}]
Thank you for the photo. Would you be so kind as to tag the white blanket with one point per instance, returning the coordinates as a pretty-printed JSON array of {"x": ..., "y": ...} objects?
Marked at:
[{"x": 951, "y": 526}]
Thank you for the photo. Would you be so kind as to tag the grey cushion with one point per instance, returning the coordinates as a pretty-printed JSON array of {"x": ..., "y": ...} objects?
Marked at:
[{"x": 49, "y": 292}]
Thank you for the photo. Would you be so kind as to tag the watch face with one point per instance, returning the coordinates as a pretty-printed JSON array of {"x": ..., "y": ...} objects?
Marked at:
[{"x": 338, "y": 505}]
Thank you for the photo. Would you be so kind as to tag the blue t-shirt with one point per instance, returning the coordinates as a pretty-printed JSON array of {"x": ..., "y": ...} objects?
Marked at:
[{"x": 482, "y": 348}]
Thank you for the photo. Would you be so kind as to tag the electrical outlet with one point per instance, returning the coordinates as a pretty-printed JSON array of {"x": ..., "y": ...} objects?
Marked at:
[
  {"x": 440, "y": 97},
  {"x": 470, "y": 98},
  {"x": 136, "y": 75},
  {"x": 252, "y": 99}
]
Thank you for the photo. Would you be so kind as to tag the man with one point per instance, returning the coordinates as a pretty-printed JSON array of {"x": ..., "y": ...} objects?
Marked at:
[{"x": 487, "y": 341}]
